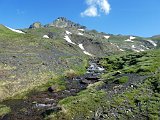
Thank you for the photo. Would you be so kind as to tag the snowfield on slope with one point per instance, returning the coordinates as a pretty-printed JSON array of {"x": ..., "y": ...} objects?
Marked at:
[
  {"x": 17, "y": 31},
  {"x": 81, "y": 46},
  {"x": 80, "y": 33},
  {"x": 87, "y": 53},
  {"x": 45, "y": 36},
  {"x": 81, "y": 30},
  {"x": 152, "y": 42},
  {"x": 84, "y": 51},
  {"x": 68, "y": 33},
  {"x": 132, "y": 38},
  {"x": 107, "y": 37},
  {"x": 68, "y": 40},
  {"x": 129, "y": 40}
]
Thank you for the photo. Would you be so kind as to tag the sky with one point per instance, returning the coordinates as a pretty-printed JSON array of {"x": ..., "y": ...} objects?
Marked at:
[{"x": 127, "y": 17}]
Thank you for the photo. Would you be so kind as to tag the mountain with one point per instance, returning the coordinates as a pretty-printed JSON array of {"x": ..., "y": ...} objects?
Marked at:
[
  {"x": 63, "y": 70},
  {"x": 93, "y": 40},
  {"x": 63, "y": 22}
]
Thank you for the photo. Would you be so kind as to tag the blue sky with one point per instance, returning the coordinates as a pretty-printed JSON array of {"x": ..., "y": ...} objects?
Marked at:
[{"x": 129, "y": 17}]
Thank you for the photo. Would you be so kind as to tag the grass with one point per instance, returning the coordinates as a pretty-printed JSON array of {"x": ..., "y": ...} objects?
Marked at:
[
  {"x": 70, "y": 74},
  {"x": 28, "y": 60},
  {"x": 82, "y": 106},
  {"x": 141, "y": 102},
  {"x": 141, "y": 63},
  {"x": 123, "y": 79},
  {"x": 4, "y": 110},
  {"x": 146, "y": 96}
]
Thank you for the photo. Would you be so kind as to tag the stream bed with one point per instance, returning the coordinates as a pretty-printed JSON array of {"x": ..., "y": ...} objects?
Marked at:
[{"x": 38, "y": 105}]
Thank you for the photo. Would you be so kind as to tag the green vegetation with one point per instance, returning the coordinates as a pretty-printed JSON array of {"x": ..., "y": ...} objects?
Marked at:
[
  {"x": 142, "y": 63},
  {"x": 70, "y": 74},
  {"x": 35, "y": 64},
  {"x": 30, "y": 64},
  {"x": 140, "y": 100},
  {"x": 83, "y": 106},
  {"x": 123, "y": 79},
  {"x": 4, "y": 110}
]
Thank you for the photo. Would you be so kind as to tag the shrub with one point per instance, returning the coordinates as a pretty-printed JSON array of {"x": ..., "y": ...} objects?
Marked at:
[{"x": 70, "y": 74}]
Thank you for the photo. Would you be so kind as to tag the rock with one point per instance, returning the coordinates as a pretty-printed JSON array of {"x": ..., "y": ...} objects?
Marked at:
[
  {"x": 35, "y": 25},
  {"x": 51, "y": 35},
  {"x": 117, "y": 73},
  {"x": 63, "y": 22},
  {"x": 51, "y": 110},
  {"x": 52, "y": 88},
  {"x": 93, "y": 78},
  {"x": 84, "y": 81}
]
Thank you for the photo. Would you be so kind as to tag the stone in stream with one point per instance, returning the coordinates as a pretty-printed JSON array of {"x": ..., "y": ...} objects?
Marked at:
[
  {"x": 52, "y": 88},
  {"x": 51, "y": 110},
  {"x": 93, "y": 78},
  {"x": 73, "y": 92},
  {"x": 84, "y": 81},
  {"x": 117, "y": 73}
]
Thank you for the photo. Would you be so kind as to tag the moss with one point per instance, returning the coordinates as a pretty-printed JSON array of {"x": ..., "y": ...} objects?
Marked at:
[
  {"x": 108, "y": 77},
  {"x": 142, "y": 63},
  {"x": 4, "y": 110},
  {"x": 82, "y": 106},
  {"x": 70, "y": 74},
  {"x": 123, "y": 79}
]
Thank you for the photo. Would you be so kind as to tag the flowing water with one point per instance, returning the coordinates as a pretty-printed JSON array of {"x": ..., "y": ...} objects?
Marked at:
[{"x": 40, "y": 104}]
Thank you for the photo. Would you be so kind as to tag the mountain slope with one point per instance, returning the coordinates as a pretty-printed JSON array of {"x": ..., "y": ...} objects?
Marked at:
[
  {"x": 20, "y": 51},
  {"x": 52, "y": 57}
]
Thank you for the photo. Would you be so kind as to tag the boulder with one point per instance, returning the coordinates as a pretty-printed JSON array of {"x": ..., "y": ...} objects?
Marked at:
[
  {"x": 52, "y": 88},
  {"x": 35, "y": 25},
  {"x": 84, "y": 81}
]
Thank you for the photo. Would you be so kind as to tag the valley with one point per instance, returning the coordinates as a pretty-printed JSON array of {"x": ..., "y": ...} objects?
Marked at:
[{"x": 63, "y": 71}]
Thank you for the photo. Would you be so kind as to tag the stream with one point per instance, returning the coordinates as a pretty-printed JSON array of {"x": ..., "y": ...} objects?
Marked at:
[{"x": 38, "y": 105}]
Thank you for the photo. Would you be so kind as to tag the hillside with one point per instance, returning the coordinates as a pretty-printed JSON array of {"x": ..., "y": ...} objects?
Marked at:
[{"x": 62, "y": 70}]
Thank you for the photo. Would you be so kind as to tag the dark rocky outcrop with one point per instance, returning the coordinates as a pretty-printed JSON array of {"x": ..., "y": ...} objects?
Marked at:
[
  {"x": 35, "y": 25},
  {"x": 63, "y": 22}
]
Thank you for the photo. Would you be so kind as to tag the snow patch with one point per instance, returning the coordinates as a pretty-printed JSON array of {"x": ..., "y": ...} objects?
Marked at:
[
  {"x": 142, "y": 50},
  {"x": 81, "y": 29},
  {"x": 121, "y": 50},
  {"x": 144, "y": 47},
  {"x": 68, "y": 40},
  {"x": 129, "y": 40},
  {"x": 133, "y": 46},
  {"x": 80, "y": 33},
  {"x": 136, "y": 50},
  {"x": 147, "y": 48},
  {"x": 152, "y": 42},
  {"x": 45, "y": 36},
  {"x": 132, "y": 37},
  {"x": 81, "y": 46},
  {"x": 17, "y": 31},
  {"x": 84, "y": 51},
  {"x": 107, "y": 37},
  {"x": 68, "y": 33},
  {"x": 87, "y": 53}
]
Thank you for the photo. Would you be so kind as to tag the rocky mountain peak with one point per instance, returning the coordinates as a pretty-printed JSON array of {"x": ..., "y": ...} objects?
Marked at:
[
  {"x": 60, "y": 22},
  {"x": 63, "y": 22},
  {"x": 35, "y": 25}
]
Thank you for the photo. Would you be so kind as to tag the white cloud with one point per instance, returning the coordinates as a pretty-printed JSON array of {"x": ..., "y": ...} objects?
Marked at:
[
  {"x": 90, "y": 11},
  {"x": 95, "y": 7}
]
